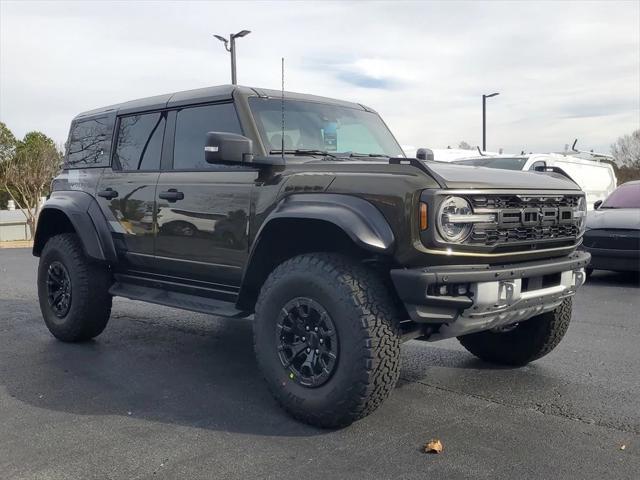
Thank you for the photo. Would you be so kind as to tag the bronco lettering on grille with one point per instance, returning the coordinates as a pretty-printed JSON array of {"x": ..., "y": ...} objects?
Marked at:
[{"x": 530, "y": 217}]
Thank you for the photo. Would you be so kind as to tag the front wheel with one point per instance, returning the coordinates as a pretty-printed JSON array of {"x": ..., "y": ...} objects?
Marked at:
[
  {"x": 326, "y": 339},
  {"x": 526, "y": 342},
  {"x": 73, "y": 292}
]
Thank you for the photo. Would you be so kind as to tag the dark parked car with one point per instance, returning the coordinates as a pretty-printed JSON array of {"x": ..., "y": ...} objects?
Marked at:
[
  {"x": 304, "y": 211},
  {"x": 613, "y": 231}
]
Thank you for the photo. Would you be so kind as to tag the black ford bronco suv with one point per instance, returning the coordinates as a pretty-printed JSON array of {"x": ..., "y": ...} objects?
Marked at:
[{"x": 304, "y": 212}]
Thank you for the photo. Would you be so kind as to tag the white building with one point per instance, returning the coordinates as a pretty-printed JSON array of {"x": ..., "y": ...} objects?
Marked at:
[{"x": 13, "y": 226}]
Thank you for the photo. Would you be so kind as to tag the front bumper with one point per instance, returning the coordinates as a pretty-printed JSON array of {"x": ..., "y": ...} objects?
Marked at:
[
  {"x": 613, "y": 259},
  {"x": 464, "y": 299}
]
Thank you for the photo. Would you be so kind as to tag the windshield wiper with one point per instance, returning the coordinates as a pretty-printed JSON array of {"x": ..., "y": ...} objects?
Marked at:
[
  {"x": 372, "y": 155},
  {"x": 302, "y": 151}
]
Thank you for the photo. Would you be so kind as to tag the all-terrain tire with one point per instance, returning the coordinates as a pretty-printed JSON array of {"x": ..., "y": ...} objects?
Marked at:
[
  {"x": 528, "y": 341},
  {"x": 90, "y": 303},
  {"x": 365, "y": 318}
]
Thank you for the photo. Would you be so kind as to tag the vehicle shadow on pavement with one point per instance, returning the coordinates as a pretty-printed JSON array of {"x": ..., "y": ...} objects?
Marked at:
[{"x": 197, "y": 372}]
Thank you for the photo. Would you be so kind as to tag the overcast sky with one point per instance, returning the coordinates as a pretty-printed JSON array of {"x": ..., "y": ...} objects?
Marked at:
[{"x": 563, "y": 70}]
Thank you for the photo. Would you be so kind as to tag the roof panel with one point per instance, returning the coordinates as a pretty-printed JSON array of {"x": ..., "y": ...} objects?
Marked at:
[
  {"x": 303, "y": 96},
  {"x": 205, "y": 95},
  {"x": 202, "y": 95}
]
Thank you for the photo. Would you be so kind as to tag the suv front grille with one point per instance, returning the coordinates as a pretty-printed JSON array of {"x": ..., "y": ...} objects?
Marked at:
[
  {"x": 497, "y": 202},
  {"x": 525, "y": 219},
  {"x": 493, "y": 236}
]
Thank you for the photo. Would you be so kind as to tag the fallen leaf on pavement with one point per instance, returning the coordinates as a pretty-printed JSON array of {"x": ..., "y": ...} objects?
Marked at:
[
  {"x": 434, "y": 446},
  {"x": 622, "y": 447}
]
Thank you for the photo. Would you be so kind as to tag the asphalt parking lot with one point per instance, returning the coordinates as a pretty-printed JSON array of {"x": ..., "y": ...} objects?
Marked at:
[{"x": 170, "y": 394}]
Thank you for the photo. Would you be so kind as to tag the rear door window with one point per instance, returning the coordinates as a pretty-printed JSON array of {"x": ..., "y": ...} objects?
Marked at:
[
  {"x": 89, "y": 143},
  {"x": 192, "y": 125},
  {"x": 139, "y": 145}
]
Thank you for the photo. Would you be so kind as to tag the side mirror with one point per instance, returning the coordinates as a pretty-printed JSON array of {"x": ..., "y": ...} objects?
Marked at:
[
  {"x": 424, "y": 154},
  {"x": 220, "y": 147},
  {"x": 597, "y": 204}
]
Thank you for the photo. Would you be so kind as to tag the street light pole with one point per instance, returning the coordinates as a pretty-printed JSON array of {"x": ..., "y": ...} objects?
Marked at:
[
  {"x": 230, "y": 46},
  {"x": 234, "y": 79},
  {"x": 484, "y": 119}
]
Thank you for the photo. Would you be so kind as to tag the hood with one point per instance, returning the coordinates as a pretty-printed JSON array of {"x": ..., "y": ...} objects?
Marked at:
[
  {"x": 463, "y": 176},
  {"x": 620, "y": 218}
]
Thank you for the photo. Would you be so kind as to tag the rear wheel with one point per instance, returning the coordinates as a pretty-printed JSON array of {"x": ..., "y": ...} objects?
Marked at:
[
  {"x": 526, "y": 342},
  {"x": 73, "y": 292},
  {"x": 326, "y": 339}
]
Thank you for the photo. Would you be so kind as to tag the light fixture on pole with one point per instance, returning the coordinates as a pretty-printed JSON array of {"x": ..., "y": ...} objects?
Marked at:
[
  {"x": 484, "y": 119},
  {"x": 230, "y": 46}
]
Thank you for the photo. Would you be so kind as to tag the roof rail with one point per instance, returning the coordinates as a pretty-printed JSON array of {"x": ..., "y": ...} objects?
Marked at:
[{"x": 592, "y": 153}]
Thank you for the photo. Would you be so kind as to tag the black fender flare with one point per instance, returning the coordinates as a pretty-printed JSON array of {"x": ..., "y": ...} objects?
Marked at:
[
  {"x": 361, "y": 221},
  {"x": 358, "y": 218},
  {"x": 87, "y": 219}
]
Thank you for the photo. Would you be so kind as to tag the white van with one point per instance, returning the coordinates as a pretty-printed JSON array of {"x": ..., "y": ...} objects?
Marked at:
[
  {"x": 447, "y": 155},
  {"x": 596, "y": 179}
]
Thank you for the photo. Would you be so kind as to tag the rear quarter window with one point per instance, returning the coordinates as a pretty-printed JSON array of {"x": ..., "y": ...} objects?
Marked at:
[
  {"x": 89, "y": 143},
  {"x": 139, "y": 144}
]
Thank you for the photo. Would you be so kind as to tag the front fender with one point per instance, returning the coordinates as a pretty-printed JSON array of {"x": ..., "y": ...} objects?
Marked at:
[
  {"x": 358, "y": 218},
  {"x": 360, "y": 221}
]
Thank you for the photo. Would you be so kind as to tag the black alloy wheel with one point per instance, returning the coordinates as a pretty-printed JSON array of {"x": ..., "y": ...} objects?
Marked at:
[
  {"x": 58, "y": 289},
  {"x": 307, "y": 342}
]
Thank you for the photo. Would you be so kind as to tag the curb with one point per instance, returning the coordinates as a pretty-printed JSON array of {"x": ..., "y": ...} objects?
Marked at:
[{"x": 17, "y": 244}]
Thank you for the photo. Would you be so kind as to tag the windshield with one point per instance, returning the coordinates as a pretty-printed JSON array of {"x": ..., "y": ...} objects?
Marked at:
[
  {"x": 322, "y": 127},
  {"x": 625, "y": 196},
  {"x": 504, "y": 163}
]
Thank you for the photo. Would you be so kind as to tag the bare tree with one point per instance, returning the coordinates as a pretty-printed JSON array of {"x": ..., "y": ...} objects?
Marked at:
[
  {"x": 626, "y": 150},
  {"x": 28, "y": 171},
  {"x": 465, "y": 146}
]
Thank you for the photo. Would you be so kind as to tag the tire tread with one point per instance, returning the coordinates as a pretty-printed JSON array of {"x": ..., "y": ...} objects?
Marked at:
[
  {"x": 91, "y": 302},
  {"x": 529, "y": 341},
  {"x": 364, "y": 290}
]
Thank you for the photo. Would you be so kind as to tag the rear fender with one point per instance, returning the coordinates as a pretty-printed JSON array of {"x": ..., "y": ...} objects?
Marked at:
[{"x": 86, "y": 218}]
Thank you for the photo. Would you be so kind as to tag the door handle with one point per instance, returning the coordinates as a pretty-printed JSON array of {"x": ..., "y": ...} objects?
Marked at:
[
  {"x": 171, "y": 195},
  {"x": 108, "y": 193}
]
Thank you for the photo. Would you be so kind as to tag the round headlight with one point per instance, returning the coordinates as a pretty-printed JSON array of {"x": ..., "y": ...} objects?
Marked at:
[{"x": 451, "y": 229}]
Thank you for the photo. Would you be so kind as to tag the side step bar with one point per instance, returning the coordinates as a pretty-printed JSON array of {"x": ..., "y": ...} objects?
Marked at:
[{"x": 183, "y": 301}]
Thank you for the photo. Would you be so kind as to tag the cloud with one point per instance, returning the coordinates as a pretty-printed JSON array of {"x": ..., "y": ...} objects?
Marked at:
[
  {"x": 375, "y": 73},
  {"x": 563, "y": 69},
  {"x": 366, "y": 81},
  {"x": 598, "y": 108}
]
